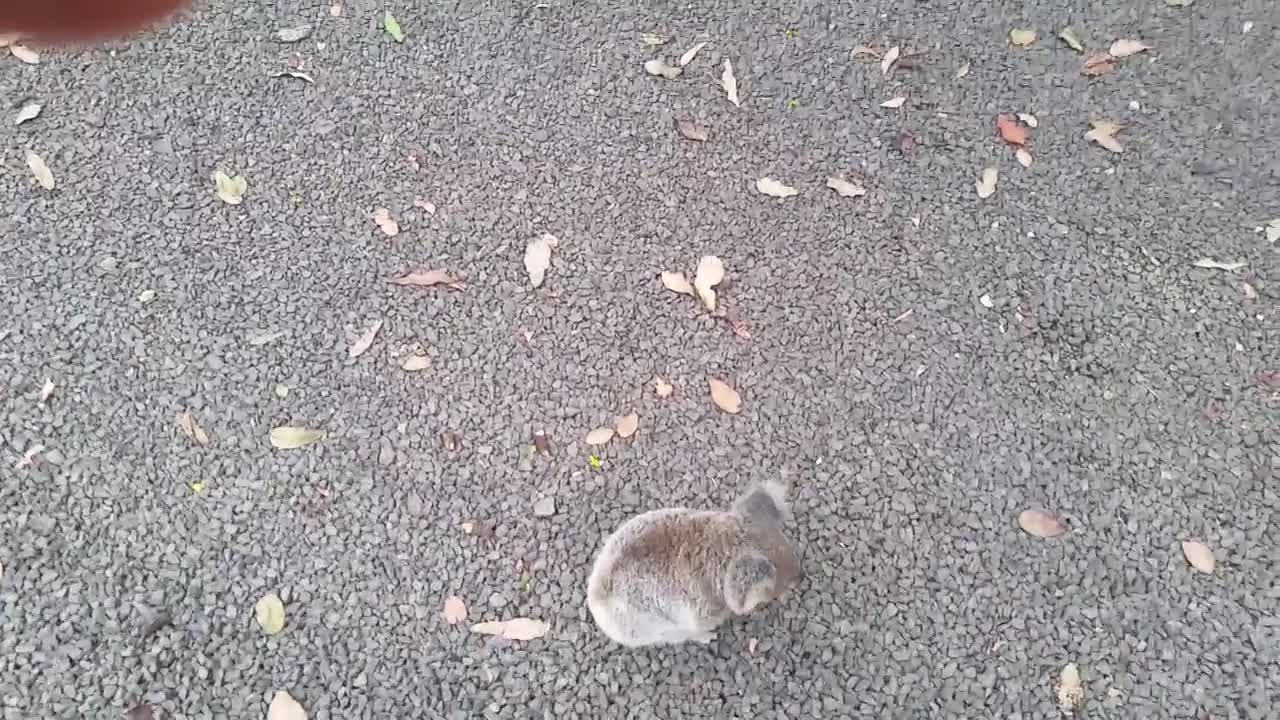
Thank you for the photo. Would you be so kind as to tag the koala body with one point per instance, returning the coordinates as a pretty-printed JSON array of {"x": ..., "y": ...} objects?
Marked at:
[{"x": 673, "y": 575}]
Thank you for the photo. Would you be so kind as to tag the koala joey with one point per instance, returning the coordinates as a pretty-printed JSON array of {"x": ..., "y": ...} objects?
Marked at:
[{"x": 673, "y": 575}]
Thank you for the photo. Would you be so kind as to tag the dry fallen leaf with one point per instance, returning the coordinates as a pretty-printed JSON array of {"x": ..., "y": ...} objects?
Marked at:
[
  {"x": 305, "y": 77},
  {"x": 415, "y": 363},
  {"x": 691, "y": 53},
  {"x": 691, "y": 131},
  {"x": 1070, "y": 691},
  {"x": 1199, "y": 555},
  {"x": 46, "y": 390},
  {"x": 844, "y": 188},
  {"x": 43, "y": 175},
  {"x": 365, "y": 341},
  {"x": 890, "y": 57},
  {"x": 25, "y": 54},
  {"x": 769, "y": 186},
  {"x": 284, "y": 707},
  {"x": 962, "y": 70},
  {"x": 1024, "y": 157},
  {"x": 1125, "y": 48},
  {"x": 146, "y": 296},
  {"x": 863, "y": 51},
  {"x": 1103, "y": 133},
  {"x": 269, "y": 612},
  {"x": 293, "y": 34},
  {"x": 652, "y": 39},
  {"x": 382, "y": 217},
  {"x": 1040, "y": 524},
  {"x": 1010, "y": 130},
  {"x": 725, "y": 397},
  {"x": 455, "y": 610},
  {"x": 662, "y": 388},
  {"x": 288, "y": 437},
  {"x": 517, "y": 629},
  {"x": 229, "y": 189},
  {"x": 427, "y": 205},
  {"x": 710, "y": 272},
  {"x": 28, "y": 111},
  {"x": 659, "y": 68},
  {"x": 1031, "y": 120},
  {"x": 537, "y": 258},
  {"x": 893, "y": 103},
  {"x": 1068, "y": 36},
  {"x": 600, "y": 436},
  {"x": 1211, "y": 264},
  {"x": 542, "y": 443},
  {"x": 730, "y": 83},
  {"x": 428, "y": 278},
  {"x": 627, "y": 425},
  {"x": 1022, "y": 38},
  {"x": 676, "y": 282},
  {"x": 189, "y": 427},
  {"x": 986, "y": 184},
  {"x": 1098, "y": 64},
  {"x": 29, "y": 456}
]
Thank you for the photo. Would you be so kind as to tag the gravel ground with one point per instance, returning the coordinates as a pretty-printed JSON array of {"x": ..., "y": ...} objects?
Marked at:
[{"x": 1102, "y": 378}]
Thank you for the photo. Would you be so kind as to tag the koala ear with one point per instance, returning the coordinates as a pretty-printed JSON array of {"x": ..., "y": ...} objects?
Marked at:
[{"x": 749, "y": 583}]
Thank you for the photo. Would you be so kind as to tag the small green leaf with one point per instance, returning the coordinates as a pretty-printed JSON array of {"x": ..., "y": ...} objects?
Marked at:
[
  {"x": 392, "y": 27},
  {"x": 1068, "y": 36},
  {"x": 594, "y": 462}
]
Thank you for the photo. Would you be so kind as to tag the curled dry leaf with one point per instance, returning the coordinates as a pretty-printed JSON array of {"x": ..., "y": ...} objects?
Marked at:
[
  {"x": 863, "y": 51},
  {"x": 627, "y": 425},
  {"x": 1024, "y": 157},
  {"x": 269, "y": 612},
  {"x": 365, "y": 341},
  {"x": 600, "y": 436},
  {"x": 46, "y": 390},
  {"x": 1031, "y": 120},
  {"x": 725, "y": 397},
  {"x": 428, "y": 278},
  {"x": 691, "y": 53},
  {"x": 455, "y": 610},
  {"x": 986, "y": 183},
  {"x": 662, "y": 388},
  {"x": 29, "y": 111},
  {"x": 1070, "y": 690},
  {"x": 1010, "y": 130},
  {"x": 1068, "y": 35},
  {"x": 893, "y": 103},
  {"x": 1104, "y": 134},
  {"x": 710, "y": 273},
  {"x": 1211, "y": 264},
  {"x": 1126, "y": 47},
  {"x": 1098, "y": 64},
  {"x": 729, "y": 83},
  {"x": 1041, "y": 524},
  {"x": 305, "y": 77},
  {"x": 229, "y": 190},
  {"x": 42, "y": 173},
  {"x": 427, "y": 205},
  {"x": 844, "y": 188},
  {"x": 1022, "y": 38},
  {"x": 518, "y": 629},
  {"x": 25, "y": 54},
  {"x": 676, "y": 282},
  {"x": 415, "y": 363},
  {"x": 691, "y": 131},
  {"x": 289, "y": 437},
  {"x": 1199, "y": 555},
  {"x": 284, "y": 707},
  {"x": 537, "y": 258},
  {"x": 189, "y": 427},
  {"x": 382, "y": 217},
  {"x": 773, "y": 188},
  {"x": 890, "y": 57},
  {"x": 659, "y": 68}
]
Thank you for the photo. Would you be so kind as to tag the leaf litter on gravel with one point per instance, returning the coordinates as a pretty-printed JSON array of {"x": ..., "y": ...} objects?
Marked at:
[
  {"x": 1010, "y": 131},
  {"x": 724, "y": 396},
  {"x": 662, "y": 388},
  {"x": 1068, "y": 35},
  {"x": 392, "y": 26},
  {"x": 1211, "y": 264},
  {"x": 599, "y": 436},
  {"x": 269, "y": 612},
  {"x": 455, "y": 610},
  {"x": 40, "y": 170},
  {"x": 774, "y": 188},
  {"x": 415, "y": 363},
  {"x": 1098, "y": 64},
  {"x": 627, "y": 425},
  {"x": 25, "y": 54},
  {"x": 519, "y": 629},
  {"x": 537, "y": 258},
  {"x": 46, "y": 391},
  {"x": 382, "y": 217},
  {"x": 365, "y": 341},
  {"x": 189, "y": 427},
  {"x": 894, "y": 103},
  {"x": 676, "y": 282},
  {"x": 986, "y": 183},
  {"x": 284, "y": 707},
  {"x": 1125, "y": 47},
  {"x": 1104, "y": 134},
  {"x": 229, "y": 190},
  {"x": 429, "y": 278},
  {"x": 1041, "y": 524},
  {"x": 658, "y": 67},
  {"x": 1021, "y": 38},
  {"x": 690, "y": 130},
  {"x": 292, "y": 437},
  {"x": 1199, "y": 556},
  {"x": 294, "y": 34},
  {"x": 888, "y": 59},
  {"x": 691, "y": 53},
  {"x": 29, "y": 111},
  {"x": 710, "y": 273},
  {"x": 729, "y": 83},
  {"x": 845, "y": 188},
  {"x": 1070, "y": 691}
]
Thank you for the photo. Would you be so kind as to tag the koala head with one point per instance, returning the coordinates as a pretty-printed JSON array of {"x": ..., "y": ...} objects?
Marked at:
[{"x": 749, "y": 583}]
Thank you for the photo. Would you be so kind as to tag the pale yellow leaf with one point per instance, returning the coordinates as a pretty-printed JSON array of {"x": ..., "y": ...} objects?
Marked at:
[
  {"x": 1070, "y": 690},
  {"x": 1022, "y": 38},
  {"x": 415, "y": 363},
  {"x": 774, "y": 188},
  {"x": 517, "y": 629},
  {"x": 725, "y": 397},
  {"x": 986, "y": 183},
  {"x": 1103, "y": 133},
  {"x": 659, "y": 68},
  {"x": 426, "y": 278},
  {"x": 890, "y": 57},
  {"x": 662, "y": 388},
  {"x": 844, "y": 188},
  {"x": 676, "y": 282},
  {"x": 863, "y": 51},
  {"x": 1041, "y": 524},
  {"x": 229, "y": 189},
  {"x": 1199, "y": 555},
  {"x": 710, "y": 272},
  {"x": 288, "y": 437},
  {"x": 284, "y": 707},
  {"x": 365, "y": 341},
  {"x": 691, "y": 53},
  {"x": 893, "y": 103},
  {"x": 42, "y": 173},
  {"x": 269, "y": 612},
  {"x": 600, "y": 436},
  {"x": 385, "y": 222},
  {"x": 962, "y": 70},
  {"x": 1127, "y": 47},
  {"x": 729, "y": 83},
  {"x": 1211, "y": 264},
  {"x": 25, "y": 54},
  {"x": 1024, "y": 157},
  {"x": 537, "y": 258},
  {"x": 627, "y": 425},
  {"x": 652, "y": 39},
  {"x": 455, "y": 610}
]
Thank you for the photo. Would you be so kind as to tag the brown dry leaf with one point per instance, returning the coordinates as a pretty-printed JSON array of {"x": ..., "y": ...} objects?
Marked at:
[
  {"x": 25, "y": 54},
  {"x": 676, "y": 282},
  {"x": 1098, "y": 64},
  {"x": 890, "y": 57},
  {"x": 1104, "y": 133},
  {"x": 365, "y": 341},
  {"x": 284, "y": 707},
  {"x": 662, "y": 388},
  {"x": 1211, "y": 264},
  {"x": 43, "y": 174},
  {"x": 627, "y": 425},
  {"x": 288, "y": 437},
  {"x": 600, "y": 436},
  {"x": 537, "y": 258},
  {"x": 740, "y": 329},
  {"x": 659, "y": 68},
  {"x": 382, "y": 217},
  {"x": 1022, "y": 38},
  {"x": 1126, "y": 47},
  {"x": 690, "y": 131},
  {"x": 1010, "y": 130},
  {"x": 189, "y": 427},
  {"x": 415, "y": 363},
  {"x": 729, "y": 83},
  {"x": 46, "y": 390},
  {"x": 986, "y": 183},
  {"x": 844, "y": 188},
  {"x": 516, "y": 629},
  {"x": 893, "y": 103},
  {"x": 427, "y": 279},
  {"x": 1024, "y": 157},
  {"x": 725, "y": 397},
  {"x": 691, "y": 53},
  {"x": 710, "y": 273},
  {"x": 773, "y": 188},
  {"x": 1070, "y": 690},
  {"x": 863, "y": 51},
  {"x": 1041, "y": 524},
  {"x": 1199, "y": 555},
  {"x": 542, "y": 443},
  {"x": 455, "y": 610}
]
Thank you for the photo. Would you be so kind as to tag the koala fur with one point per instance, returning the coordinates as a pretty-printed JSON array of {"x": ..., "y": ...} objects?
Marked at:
[{"x": 673, "y": 575}]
